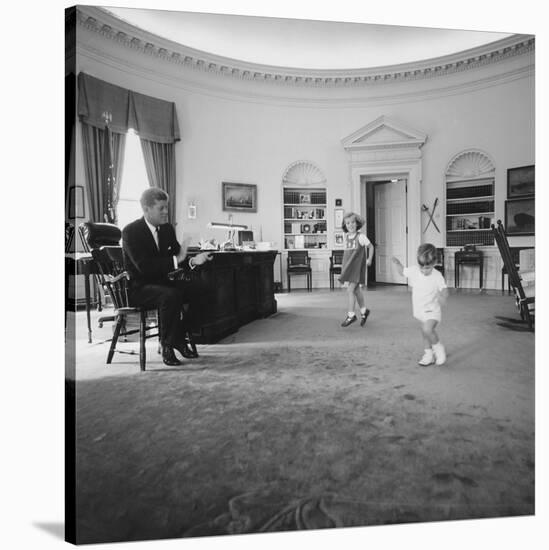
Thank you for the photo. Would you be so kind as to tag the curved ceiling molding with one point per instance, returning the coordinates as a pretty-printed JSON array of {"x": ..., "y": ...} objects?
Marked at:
[
  {"x": 303, "y": 172},
  {"x": 100, "y": 21},
  {"x": 470, "y": 164}
]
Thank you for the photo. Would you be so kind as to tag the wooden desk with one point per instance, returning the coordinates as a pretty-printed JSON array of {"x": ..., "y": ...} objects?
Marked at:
[
  {"x": 239, "y": 288},
  {"x": 474, "y": 258}
]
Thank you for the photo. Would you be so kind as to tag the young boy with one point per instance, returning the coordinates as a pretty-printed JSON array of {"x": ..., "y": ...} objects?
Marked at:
[{"x": 429, "y": 292}]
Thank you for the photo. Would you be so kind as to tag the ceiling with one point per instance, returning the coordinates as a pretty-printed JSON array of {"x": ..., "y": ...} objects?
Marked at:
[{"x": 303, "y": 43}]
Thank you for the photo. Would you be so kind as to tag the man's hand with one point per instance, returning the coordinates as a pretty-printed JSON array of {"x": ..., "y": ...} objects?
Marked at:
[
  {"x": 202, "y": 258},
  {"x": 183, "y": 251}
]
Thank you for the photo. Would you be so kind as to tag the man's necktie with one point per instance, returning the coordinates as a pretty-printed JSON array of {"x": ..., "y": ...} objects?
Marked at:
[{"x": 157, "y": 237}]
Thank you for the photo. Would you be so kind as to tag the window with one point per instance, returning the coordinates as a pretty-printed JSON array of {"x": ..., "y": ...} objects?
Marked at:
[{"x": 134, "y": 181}]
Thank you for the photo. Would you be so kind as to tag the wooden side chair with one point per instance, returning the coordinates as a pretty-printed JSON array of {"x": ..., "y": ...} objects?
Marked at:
[
  {"x": 299, "y": 263},
  {"x": 110, "y": 262},
  {"x": 524, "y": 293},
  {"x": 336, "y": 260}
]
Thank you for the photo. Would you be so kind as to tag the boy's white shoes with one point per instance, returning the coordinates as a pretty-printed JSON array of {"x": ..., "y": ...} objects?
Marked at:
[
  {"x": 440, "y": 354},
  {"x": 427, "y": 359},
  {"x": 436, "y": 355}
]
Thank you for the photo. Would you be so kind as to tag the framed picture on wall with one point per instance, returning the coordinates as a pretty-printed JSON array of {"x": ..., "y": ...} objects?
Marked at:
[
  {"x": 521, "y": 181},
  {"x": 338, "y": 218},
  {"x": 239, "y": 197},
  {"x": 520, "y": 216}
]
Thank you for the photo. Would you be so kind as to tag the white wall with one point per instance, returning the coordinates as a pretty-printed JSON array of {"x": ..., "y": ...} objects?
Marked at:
[{"x": 250, "y": 133}]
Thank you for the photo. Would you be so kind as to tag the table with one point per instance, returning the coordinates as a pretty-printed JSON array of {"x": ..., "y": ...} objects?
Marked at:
[
  {"x": 472, "y": 258},
  {"x": 81, "y": 264}
]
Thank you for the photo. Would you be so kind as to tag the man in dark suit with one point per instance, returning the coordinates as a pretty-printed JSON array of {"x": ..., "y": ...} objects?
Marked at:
[{"x": 151, "y": 251}]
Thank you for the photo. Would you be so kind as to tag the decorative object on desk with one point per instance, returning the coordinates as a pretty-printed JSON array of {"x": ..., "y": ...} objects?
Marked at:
[
  {"x": 76, "y": 202},
  {"x": 338, "y": 239},
  {"x": 231, "y": 228},
  {"x": 245, "y": 237},
  {"x": 208, "y": 244},
  {"x": 239, "y": 197},
  {"x": 431, "y": 215},
  {"x": 520, "y": 217},
  {"x": 338, "y": 202},
  {"x": 521, "y": 182},
  {"x": 338, "y": 218}
]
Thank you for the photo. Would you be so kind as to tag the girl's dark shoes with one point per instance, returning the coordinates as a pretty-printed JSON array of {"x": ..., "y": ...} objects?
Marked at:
[
  {"x": 363, "y": 317},
  {"x": 348, "y": 321}
]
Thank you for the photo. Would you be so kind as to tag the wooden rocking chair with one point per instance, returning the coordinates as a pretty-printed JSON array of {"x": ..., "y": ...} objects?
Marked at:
[{"x": 524, "y": 293}]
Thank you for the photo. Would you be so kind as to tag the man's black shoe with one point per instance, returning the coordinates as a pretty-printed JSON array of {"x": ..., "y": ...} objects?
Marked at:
[
  {"x": 186, "y": 351},
  {"x": 169, "y": 358}
]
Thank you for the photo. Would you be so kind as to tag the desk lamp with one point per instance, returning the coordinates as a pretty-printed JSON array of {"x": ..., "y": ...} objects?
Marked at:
[{"x": 231, "y": 227}]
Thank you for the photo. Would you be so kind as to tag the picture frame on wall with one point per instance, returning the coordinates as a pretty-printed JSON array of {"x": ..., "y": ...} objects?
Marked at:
[
  {"x": 521, "y": 181},
  {"x": 239, "y": 197},
  {"x": 520, "y": 217},
  {"x": 338, "y": 218}
]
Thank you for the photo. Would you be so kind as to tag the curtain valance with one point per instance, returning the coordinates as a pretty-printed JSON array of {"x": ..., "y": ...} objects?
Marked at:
[{"x": 153, "y": 119}]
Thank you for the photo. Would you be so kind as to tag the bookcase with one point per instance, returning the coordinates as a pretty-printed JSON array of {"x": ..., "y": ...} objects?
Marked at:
[
  {"x": 469, "y": 211},
  {"x": 305, "y": 221}
]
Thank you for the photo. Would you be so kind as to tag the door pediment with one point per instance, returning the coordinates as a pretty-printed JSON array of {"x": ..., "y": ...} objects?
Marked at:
[{"x": 384, "y": 133}]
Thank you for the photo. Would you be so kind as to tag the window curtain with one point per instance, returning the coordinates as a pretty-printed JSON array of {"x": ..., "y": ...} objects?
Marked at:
[
  {"x": 154, "y": 120},
  {"x": 94, "y": 161},
  {"x": 160, "y": 165}
]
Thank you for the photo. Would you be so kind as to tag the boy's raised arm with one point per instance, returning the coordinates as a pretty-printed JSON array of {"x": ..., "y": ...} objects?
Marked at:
[{"x": 398, "y": 265}]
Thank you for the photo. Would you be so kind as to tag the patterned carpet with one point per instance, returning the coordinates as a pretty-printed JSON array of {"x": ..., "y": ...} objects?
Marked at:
[{"x": 297, "y": 423}]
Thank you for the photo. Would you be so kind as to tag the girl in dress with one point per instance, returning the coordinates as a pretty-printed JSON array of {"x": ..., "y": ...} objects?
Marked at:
[{"x": 358, "y": 254}]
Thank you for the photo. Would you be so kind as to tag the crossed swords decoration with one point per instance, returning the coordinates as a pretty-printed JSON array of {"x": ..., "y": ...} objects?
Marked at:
[{"x": 431, "y": 214}]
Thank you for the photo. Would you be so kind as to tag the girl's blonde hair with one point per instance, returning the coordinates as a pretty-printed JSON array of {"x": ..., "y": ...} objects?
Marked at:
[{"x": 359, "y": 221}]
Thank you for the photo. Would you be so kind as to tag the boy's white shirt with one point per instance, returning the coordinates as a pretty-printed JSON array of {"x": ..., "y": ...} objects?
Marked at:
[{"x": 425, "y": 289}]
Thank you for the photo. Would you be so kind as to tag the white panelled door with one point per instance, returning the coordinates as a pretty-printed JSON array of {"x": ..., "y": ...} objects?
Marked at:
[{"x": 390, "y": 223}]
